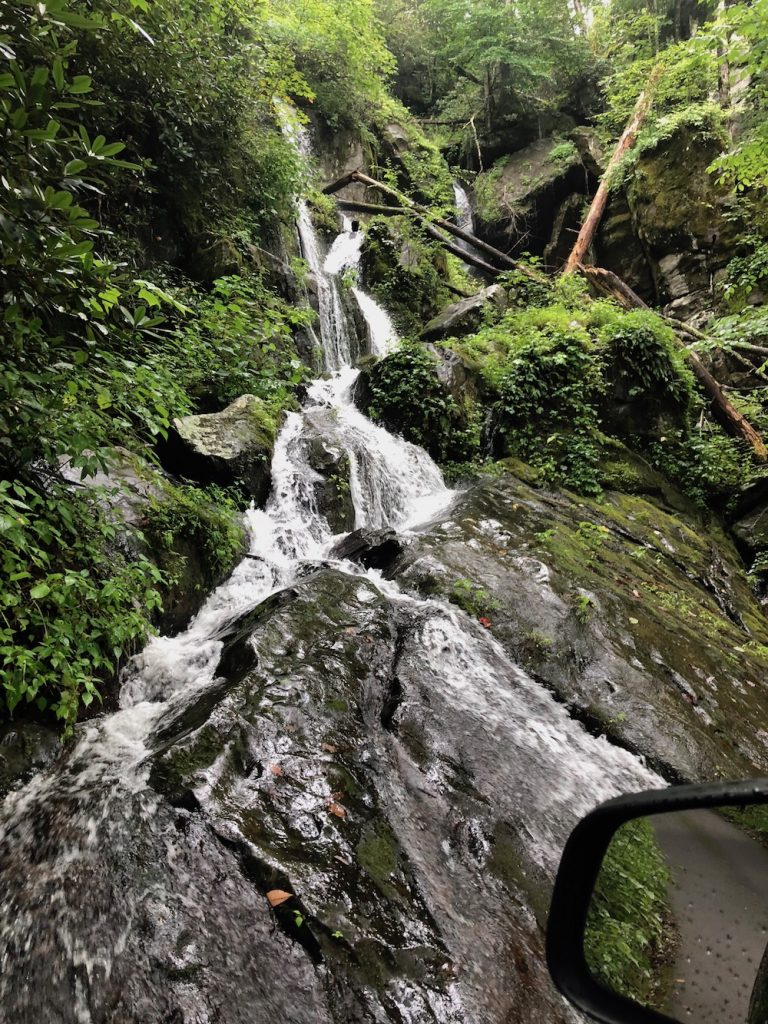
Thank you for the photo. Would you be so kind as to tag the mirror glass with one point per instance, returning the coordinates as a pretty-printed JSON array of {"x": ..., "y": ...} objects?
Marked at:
[{"x": 679, "y": 916}]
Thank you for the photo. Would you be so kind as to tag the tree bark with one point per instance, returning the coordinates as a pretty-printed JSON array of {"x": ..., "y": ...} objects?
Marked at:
[
  {"x": 600, "y": 201},
  {"x": 727, "y": 415}
]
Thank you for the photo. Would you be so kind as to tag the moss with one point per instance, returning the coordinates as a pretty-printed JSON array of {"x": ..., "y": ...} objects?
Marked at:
[
  {"x": 405, "y": 393},
  {"x": 406, "y": 271},
  {"x": 196, "y": 536},
  {"x": 377, "y": 853}
]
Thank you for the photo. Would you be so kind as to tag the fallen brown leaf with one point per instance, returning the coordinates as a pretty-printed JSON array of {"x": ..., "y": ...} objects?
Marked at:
[
  {"x": 337, "y": 809},
  {"x": 277, "y": 896}
]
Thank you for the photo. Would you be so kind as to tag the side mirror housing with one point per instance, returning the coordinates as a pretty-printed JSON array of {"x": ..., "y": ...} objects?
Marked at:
[{"x": 577, "y": 876}]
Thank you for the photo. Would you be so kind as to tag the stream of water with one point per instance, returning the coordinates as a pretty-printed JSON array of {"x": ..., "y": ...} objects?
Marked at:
[{"x": 556, "y": 769}]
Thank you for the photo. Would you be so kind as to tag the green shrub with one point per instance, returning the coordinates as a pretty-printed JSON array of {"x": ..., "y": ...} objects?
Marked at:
[
  {"x": 207, "y": 520},
  {"x": 407, "y": 396},
  {"x": 705, "y": 464},
  {"x": 72, "y": 604},
  {"x": 643, "y": 359},
  {"x": 627, "y": 929},
  {"x": 547, "y": 409}
]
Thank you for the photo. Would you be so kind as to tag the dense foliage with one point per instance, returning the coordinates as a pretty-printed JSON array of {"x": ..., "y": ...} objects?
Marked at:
[
  {"x": 140, "y": 145},
  {"x": 628, "y": 927}
]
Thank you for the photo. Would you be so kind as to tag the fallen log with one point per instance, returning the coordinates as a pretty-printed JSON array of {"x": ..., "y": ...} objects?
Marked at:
[
  {"x": 462, "y": 254},
  {"x": 422, "y": 213},
  {"x": 600, "y": 201},
  {"x": 727, "y": 415},
  {"x": 375, "y": 209},
  {"x": 352, "y": 206}
]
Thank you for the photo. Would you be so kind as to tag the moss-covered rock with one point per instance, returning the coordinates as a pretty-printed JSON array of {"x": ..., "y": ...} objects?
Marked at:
[
  {"x": 520, "y": 195},
  {"x": 681, "y": 216},
  {"x": 464, "y": 316},
  {"x": 414, "y": 394},
  {"x": 233, "y": 446},
  {"x": 639, "y": 615}
]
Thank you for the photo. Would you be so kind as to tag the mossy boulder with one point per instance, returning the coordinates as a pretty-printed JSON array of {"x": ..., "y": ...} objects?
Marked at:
[
  {"x": 520, "y": 195},
  {"x": 231, "y": 447},
  {"x": 681, "y": 216},
  {"x": 638, "y": 614},
  {"x": 464, "y": 316}
]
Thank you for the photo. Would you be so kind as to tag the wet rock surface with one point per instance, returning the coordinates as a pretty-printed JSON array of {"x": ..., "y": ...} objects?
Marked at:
[
  {"x": 374, "y": 549},
  {"x": 330, "y": 461},
  {"x": 637, "y": 615},
  {"x": 351, "y": 771},
  {"x": 464, "y": 316}
]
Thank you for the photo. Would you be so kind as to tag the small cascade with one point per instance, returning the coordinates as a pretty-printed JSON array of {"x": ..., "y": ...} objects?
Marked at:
[
  {"x": 86, "y": 817},
  {"x": 345, "y": 255},
  {"x": 465, "y": 219}
]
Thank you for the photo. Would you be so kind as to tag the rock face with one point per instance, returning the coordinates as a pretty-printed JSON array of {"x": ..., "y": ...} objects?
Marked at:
[
  {"x": 233, "y": 446},
  {"x": 619, "y": 249},
  {"x": 520, "y": 196},
  {"x": 668, "y": 235},
  {"x": 679, "y": 213},
  {"x": 463, "y": 317},
  {"x": 638, "y": 616},
  {"x": 350, "y": 770},
  {"x": 404, "y": 770}
]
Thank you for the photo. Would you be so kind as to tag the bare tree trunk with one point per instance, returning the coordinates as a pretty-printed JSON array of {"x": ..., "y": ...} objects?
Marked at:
[{"x": 600, "y": 201}]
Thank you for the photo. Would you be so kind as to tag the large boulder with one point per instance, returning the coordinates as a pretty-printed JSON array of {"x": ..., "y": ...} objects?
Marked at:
[
  {"x": 681, "y": 216},
  {"x": 233, "y": 446},
  {"x": 638, "y": 615},
  {"x": 465, "y": 316},
  {"x": 518, "y": 198}
]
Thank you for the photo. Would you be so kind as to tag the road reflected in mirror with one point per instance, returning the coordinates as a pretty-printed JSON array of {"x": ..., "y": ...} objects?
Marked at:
[{"x": 679, "y": 917}]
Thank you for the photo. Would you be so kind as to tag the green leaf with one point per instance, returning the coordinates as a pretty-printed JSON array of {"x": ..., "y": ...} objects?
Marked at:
[
  {"x": 58, "y": 74},
  {"x": 80, "y": 84},
  {"x": 74, "y": 167},
  {"x": 39, "y": 591}
]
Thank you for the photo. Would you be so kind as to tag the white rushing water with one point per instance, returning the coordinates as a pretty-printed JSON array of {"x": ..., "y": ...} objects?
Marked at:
[
  {"x": 393, "y": 484},
  {"x": 465, "y": 218}
]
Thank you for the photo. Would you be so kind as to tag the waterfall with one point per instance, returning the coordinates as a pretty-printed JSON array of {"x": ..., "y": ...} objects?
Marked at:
[
  {"x": 465, "y": 218},
  {"x": 86, "y": 801}
]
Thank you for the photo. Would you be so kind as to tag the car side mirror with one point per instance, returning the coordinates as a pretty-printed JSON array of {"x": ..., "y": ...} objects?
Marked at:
[{"x": 659, "y": 913}]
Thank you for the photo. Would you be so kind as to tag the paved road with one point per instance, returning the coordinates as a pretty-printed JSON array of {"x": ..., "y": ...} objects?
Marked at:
[{"x": 719, "y": 895}]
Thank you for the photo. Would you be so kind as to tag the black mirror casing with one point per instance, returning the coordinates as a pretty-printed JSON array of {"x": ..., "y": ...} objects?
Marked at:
[{"x": 575, "y": 883}]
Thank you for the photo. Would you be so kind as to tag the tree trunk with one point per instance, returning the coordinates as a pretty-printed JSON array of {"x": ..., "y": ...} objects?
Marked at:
[
  {"x": 600, "y": 201},
  {"x": 605, "y": 282}
]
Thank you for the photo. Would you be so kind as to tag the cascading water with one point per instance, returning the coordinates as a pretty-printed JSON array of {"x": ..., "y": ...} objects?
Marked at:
[
  {"x": 71, "y": 938},
  {"x": 465, "y": 218}
]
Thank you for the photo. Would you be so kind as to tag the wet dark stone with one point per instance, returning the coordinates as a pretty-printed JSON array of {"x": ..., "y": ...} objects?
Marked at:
[{"x": 374, "y": 549}]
